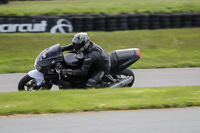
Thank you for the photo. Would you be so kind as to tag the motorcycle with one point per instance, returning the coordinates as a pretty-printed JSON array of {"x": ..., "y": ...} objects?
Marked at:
[{"x": 51, "y": 61}]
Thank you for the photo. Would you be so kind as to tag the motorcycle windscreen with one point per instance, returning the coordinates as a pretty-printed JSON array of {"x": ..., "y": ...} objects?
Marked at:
[
  {"x": 53, "y": 52},
  {"x": 50, "y": 55}
]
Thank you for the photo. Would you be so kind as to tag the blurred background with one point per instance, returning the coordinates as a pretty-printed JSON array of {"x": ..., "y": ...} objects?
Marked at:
[{"x": 167, "y": 32}]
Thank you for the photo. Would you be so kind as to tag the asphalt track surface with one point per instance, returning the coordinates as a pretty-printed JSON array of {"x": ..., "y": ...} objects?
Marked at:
[
  {"x": 144, "y": 78},
  {"x": 180, "y": 120}
]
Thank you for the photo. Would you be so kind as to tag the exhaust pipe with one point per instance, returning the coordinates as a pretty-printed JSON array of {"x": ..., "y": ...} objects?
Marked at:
[{"x": 122, "y": 82}]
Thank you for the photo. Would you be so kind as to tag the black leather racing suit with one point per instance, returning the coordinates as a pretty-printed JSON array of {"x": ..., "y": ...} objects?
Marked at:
[{"x": 95, "y": 57}]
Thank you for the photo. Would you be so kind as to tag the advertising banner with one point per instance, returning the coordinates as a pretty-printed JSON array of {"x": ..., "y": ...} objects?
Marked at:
[{"x": 13, "y": 25}]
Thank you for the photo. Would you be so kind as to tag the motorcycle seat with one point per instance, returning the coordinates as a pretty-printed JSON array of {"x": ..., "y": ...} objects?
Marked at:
[{"x": 113, "y": 60}]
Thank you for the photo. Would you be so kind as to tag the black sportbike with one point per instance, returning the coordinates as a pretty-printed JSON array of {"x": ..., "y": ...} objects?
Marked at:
[{"x": 51, "y": 61}]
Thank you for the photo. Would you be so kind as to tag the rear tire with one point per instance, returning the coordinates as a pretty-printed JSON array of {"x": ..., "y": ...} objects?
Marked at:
[
  {"x": 125, "y": 73},
  {"x": 28, "y": 83}
]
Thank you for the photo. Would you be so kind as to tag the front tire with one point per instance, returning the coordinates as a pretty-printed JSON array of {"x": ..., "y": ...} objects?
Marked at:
[{"x": 29, "y": 84}]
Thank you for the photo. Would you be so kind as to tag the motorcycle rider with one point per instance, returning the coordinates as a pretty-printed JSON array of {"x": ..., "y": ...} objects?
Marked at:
[{"x": 93, "y": 57}]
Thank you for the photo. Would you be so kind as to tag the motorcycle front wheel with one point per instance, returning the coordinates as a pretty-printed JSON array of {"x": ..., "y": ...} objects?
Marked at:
[{"x": 29, "y": 84}]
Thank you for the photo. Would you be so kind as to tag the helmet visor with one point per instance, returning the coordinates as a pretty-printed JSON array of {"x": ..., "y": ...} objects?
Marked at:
[{"x": 77, "y": 46}]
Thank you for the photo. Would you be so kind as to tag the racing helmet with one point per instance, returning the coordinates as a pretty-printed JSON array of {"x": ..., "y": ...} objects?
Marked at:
[{"x": 80, "y": 42}]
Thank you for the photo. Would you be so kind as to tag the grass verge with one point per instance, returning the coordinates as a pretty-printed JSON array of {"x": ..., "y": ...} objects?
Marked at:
[
  {"x": 98, "y": 100},
  {"x": 57, "y": 7},
  {"x": 159, "y": 48}
]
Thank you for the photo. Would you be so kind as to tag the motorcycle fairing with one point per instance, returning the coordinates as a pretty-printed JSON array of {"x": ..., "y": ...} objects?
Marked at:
[
  {"x": 38, "y": 76},
  {"x": 71, "y": 60}
]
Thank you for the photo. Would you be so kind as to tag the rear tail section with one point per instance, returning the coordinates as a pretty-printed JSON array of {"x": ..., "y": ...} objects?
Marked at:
[
  {"x": 138, "y": 52},
  {"x": 122, "y": 59}
]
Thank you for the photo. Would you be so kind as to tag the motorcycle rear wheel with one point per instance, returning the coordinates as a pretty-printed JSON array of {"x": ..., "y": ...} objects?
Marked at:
[
  {"x": 29, "y": 84},
  {"x": 126, "y": 73}
]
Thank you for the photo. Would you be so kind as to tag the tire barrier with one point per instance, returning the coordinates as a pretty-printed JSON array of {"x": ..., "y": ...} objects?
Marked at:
[
  {"x": 186, "y": 20},
  {"x": 88, "y": 23},
  {"x": 103, "y": 22},
  {"x": 144, "y": 21},
  {"x": 4, "y": 1},
  {"x": 111, "y": 23},
  {"x": 196, "y": 20},
  {"x": 99, "y": 23},
  {"x": 133, "y": 21},
  {"x": 154, "y": 21},
  {"x": 122, "y": 22},
  {"x": 176, "y": 21},
  {"x": 165, "y": 21}
]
